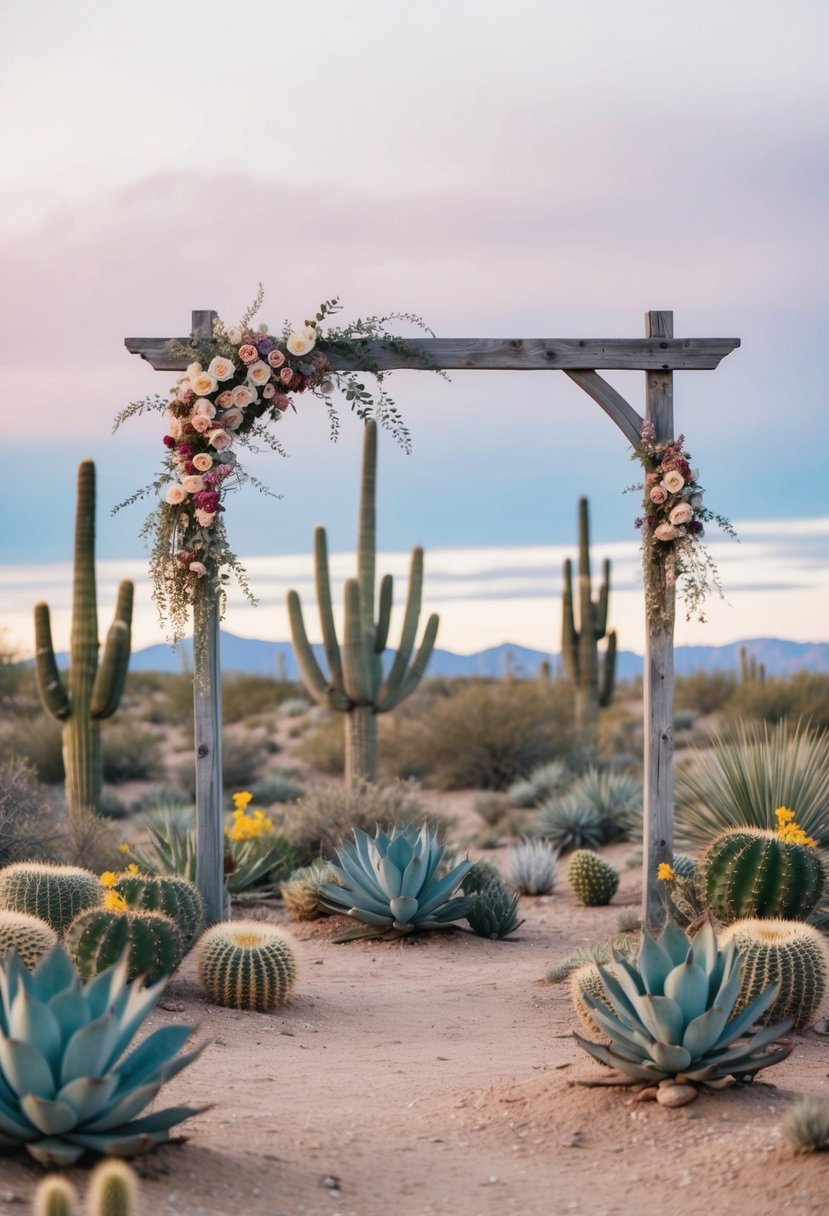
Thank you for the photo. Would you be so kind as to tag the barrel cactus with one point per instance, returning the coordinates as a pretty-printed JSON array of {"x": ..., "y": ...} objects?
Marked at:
[
  {"x": 672, "y": 1018},
  {"x": 113, "y": 1190},
  {"x": 247, "y": 964},
  {"x": 752, "y": 872},
  {"x": 494, "y": 911},
  {"x": 392, "y": 883},
  {"x": 29, "y": 937},
  {"x": 787, "y": 953},
  {"x": 56, "y": 1196},
  {"x": 52, "y": 893},
  {"x": 96, "y": 939},
  {"x": 594, "y": 880},
  {"x": 170, "y": 894},
  {"x": 587, "y": 979},
  {"x": 301, "y": 891},
  {"x": 67, "y": 1084}
]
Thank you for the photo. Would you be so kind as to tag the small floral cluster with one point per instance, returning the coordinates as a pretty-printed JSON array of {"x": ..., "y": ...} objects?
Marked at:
[
  {"x": 673, "y": 524},
  {"x": 247, "y": 825},
  {"x": 113, "y": 900},
  {"x": 109, "y": 878},
  {"x": 665, "y": 872},
  {"x": 789, "y": 831}
]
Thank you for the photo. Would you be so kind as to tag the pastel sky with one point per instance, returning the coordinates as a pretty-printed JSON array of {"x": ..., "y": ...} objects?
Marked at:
[{"x": 547, "y": 168}]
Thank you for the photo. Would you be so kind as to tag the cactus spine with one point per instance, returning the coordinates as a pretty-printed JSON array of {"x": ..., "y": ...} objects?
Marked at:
[
  {"x": 749, "y": 872},
  {"x": 787, "y": 953},
  {"x": 594, "y": 880},
  {"x": 56, "y": 1196},
  {"x": 93, "y": 691},
  {"x": 98, "y": 938},
  {"x": 247, "y": 965},
  {"x": 29, "y": 936},
  {"x": 579, "y": 646},
  {"x": 167, "y": 893},
  {"x": 355, "y": 685},
  {"x": 55, "y": 894}
]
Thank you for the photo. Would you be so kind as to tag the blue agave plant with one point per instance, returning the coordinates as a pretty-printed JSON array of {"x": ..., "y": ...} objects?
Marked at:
[
  {"x": 392, "y": 883},
  {"x": 66, "y": 1084}
]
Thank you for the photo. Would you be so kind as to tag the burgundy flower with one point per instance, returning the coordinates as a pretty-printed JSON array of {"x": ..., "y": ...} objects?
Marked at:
[
  {"x": 208, "y": 500},
  {"x": 185, "y": 450},
  {"x": 189, "y": 467},
  {"x": 169, "y": 441}
]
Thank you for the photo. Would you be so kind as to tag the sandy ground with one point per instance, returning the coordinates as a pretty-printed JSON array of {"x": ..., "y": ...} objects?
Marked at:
[{"x": 436, "y": 1076}]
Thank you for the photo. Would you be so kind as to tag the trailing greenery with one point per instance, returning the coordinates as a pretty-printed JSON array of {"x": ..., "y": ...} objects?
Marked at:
[
  {"x": 747, "y": 772},
  {"x": 672, "y": 1018},
  {"x": 594, "y": 880},
  {"x": 393, "y": 883},
  {"x": 247, "y": 964},
  {"x": 531, "y": 867},
  {"x": 787, "y": 953},
  {"x": 53, "y": 893},
  {"x": 71, "y": 1084}
]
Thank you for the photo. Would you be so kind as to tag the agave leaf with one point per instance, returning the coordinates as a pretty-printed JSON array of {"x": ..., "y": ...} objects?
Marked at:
[
  {"x": 56, "y": 1154},
  {"x": 362, "y": 879},
  {"x": 89, "y": 1049},
  {"x": 670, "y": 1057},
  {"x": 753, "y": 1064},
  {"x": 707, "y": 1073},
  {"x": 156, "y": 1050},
  {"x": 15, "y": 1124},
  {"x": 55, "y": 973},
  {"x": 70, "y": 1011},
  {"x": 440, "y": 891},
  {"x": 654, "y": 964},
  {"x": 359, "y": 888},
  {"x": 702, "y": 1033},
  {"x": 412, "y": 881},
  {"x": 124, "y": 1108},
  {"x": 113, "y": 1144},
  {"x": 356, "y": 935},
  {"x": 616, "y": 1030},
  {"x": 49, "y": 1116},
  {"x": 629, "y": 984},
  {"x": 390, "y": 877},
  {"x": 743, "y": 1022},
  {"x": 33, "y": 1022},
  {"x": 167, "y": 1071},
  {"x": 674, "y": 941},
  {"x": 706, "y": 951},
  {"x": 11, "y": 978},
  {"x": 605, "y": 1055},
  {"x": 688, "y": 985},
  {"x": 663, "y": 1017},
  {"x": 760, "y": 1039},
  {"x": 400, "y": 852},
  {"x": 623, "y": 1006},
  {"x": 434, "y": 851},
  {"x": 26, "y": 1070},
  {"x": 453, "y": 909},
  {"x": 130, "y": 1009},
  {"x": 88, "y": 1095},
  {"x": 370, "y": 918},
  {"x": 404, "y": 909},
  {"x": 102, "y": 991},
  {"x": 728, "y": 962}
]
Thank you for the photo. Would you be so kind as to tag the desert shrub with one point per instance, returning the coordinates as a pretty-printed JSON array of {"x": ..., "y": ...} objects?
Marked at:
[
  {"x": 614, "y": 798},
  {"x": 545, "y": 781},
  {"x": 750, "y": 770},
  {"x": 684, "y": 719},
  {"x": 805, "y": 696},
  {"x": 159, "y": 798},
  {"x": 325, "y": 816},
  {"x": 36, "y": 738},
  {"x": 491, "y": 807},
  {"x": 28, "y": 828},
  {"x": 276, "y": 787},
  {"x": 110, "y": 805},
  {"x": 243, "y": 755},
  {"x": 569, "y": 825},
  {"x": 324, "y": 746},
  {"x": 483, "y": 736},
  {"x": 705, "y": 692},
  {"x": 89, "y": 841},
  {"x": 131, "y": 752},
  {"x": 293, "y": 707},
  {"x": 619, "y": 733},
  {"x": 243, "y": 695}
]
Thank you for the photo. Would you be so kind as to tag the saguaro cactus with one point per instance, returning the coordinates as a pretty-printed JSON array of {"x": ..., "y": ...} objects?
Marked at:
[
  {"x": 356, "y": 685},
  {"x": 579, "y": 645},
  {"x": 93, "y": 692}
]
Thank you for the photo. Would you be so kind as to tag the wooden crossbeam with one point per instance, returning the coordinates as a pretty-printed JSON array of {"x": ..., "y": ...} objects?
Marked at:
[{"x": 501, "y": 354}]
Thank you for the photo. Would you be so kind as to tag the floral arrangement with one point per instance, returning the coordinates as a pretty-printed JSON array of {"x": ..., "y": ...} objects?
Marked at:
[
  {"x": 672, "y": 525},
  {"x": 232, "y": 393}
]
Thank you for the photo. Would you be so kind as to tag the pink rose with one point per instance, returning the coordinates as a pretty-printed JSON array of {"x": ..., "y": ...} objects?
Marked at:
[
  {"x": 665, "y": 532},
  {"x": 204, "y": 518},
  {"x": 206, "y": 408},
  {"x": 657, "y": 494},
  {"x": 651, "y": 479},
  {"x": 219, "y": 439},
  {"x": 202, "y": 462},
  {"x": 176, "y": 495},
  {"x": 242, "y": 396},
  {"x": 248, "y": 353},
  {"x": 276, "y": 358},
  {"x": 681, "y": 514},
  {"x": 268, "y": 391},
  {"x": 286, "y": 375},
  {"x": 194, "y": 484},
  {"x": 232, "y": 419},
  {"x": 198, "y": 568},
  {"x": 201, "y": 423},
  {"x": 224, "y": 399}
]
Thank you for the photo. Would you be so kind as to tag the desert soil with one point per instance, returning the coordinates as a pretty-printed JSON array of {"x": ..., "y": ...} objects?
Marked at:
[{"x": 438, "y": 1075}]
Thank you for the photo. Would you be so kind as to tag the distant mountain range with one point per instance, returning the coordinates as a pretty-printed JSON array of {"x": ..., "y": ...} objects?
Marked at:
[{"x": 277, "y": 659}]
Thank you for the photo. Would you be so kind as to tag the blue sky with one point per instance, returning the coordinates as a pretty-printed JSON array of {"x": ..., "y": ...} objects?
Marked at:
[{"x": 553, "y": 174}]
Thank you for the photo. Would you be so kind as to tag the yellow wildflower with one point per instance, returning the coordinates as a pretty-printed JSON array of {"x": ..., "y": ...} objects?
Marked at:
[
  {"x": 784, "y": 816},
  {"x": 241, "y": 800},
  {"x": 665, "y": 873},
  {"x": 132, "y": 868},
  {"x": 115, "y": 902},
  {"x": 108, "y": 879},
  {"x": 123, "y": 848},
  {"x": 790, "y": 832}
]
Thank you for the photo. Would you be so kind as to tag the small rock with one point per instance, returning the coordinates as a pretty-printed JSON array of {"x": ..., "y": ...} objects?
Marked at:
[
  {"x": 647, "y": 1095},
  {"x": 675, "y": 1095}
]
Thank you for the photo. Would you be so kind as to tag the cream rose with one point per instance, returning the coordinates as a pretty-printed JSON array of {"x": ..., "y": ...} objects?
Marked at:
[
  {"x": 219, "y": 439},
  {"x": 198, "y": 568},
  {"x": 224, "y": 399},
  {"x": 665, "y": 532},
  {"x": 221, "y": 369},
  {"x": 681, "y": 514},
  {"x": 242, "y": 396},
  {"x": 193, "y": 483},
  {"x": 204, "y": 384},
  {"x": 202, "y": 462},
  {"x": 176, "y": 495},
  {"x": 234, "y": 335},
  {"x": 232, "y": 419},
  {"x": 195, "y": 369},
  {"x": 174, "y": 427},
  {"x": 300, "y": 343},
  {"x": 673, "y": 482},
  {"x": 201, "y": 423},
  {"x": 204, "y": 518},
  {"x": 259, "y": 373},
  {"x": 206, "y": 408},
  {"x": 268, "y": 391}
]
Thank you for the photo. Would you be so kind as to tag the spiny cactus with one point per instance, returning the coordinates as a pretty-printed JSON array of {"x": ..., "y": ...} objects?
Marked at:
[
  {"x": 56, "y": 1196},
  {"x": 806, "y": 1124},
  {"x": 594, "y": 880},
  {"x": 624, "y": 944},
  {"x": 167, "y": 893},
  {"x": 494, "y": 911},
  {"x": 247, "y": 964},
  {"x": 587, "y": 979},
  {"x": 29, "y": 936},
  {"x": 52, "y": 893},
  {"x": 301, "y": 891},
  {"x": 749, "y": 872},
  {"x": 93, "y": 692},
  {"x": 784, "y": 952},
  {"x": 96, "y": 939},
  {"x": 355, "y": 685},
  {"x": 579, "y": 644},
  {"x": 684, "y": 866},
  {"x": 531, "y": 867},
  {"x": 113, "y": 1189}
]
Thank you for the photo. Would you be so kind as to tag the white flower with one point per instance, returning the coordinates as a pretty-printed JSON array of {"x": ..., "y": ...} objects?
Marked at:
[
  {"x": 174, "y": 427},
  {"x": 259, "y": 372},
  {"x": 680, "y": 514},
  {"x": 192, "y": 483},
  {"x": 310, "y": 332},
  {"x": 219, "y": 439},
  {"x": 176, "y": 495},
  {"x": 204, "y": 518},
  {"x": 300, "y": 344},
  {"x": 232, "y": 419},
  {"x": 195, "y": 369},
  {"x": 206, "y": 408},
  {"x": 234, "y": 335},
  {"x": 203, "y": 384},
  {"x": 673, "y": 482},
  {"x": 242, "y": 396},
  {"x": 222, "y": 369}
]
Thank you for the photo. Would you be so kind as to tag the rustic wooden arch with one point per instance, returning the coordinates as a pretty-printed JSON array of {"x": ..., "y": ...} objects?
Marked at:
[{"x": 659, "y": 354}]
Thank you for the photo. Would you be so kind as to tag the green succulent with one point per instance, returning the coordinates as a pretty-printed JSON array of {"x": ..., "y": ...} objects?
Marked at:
[
  {"x": 28, "y": 935},
  {"x": 66, "y": 1084},
  {"x": 392, "y": 883},
  {"x": 594, "y": 880},
  {"x": 247, "y": 964},
  {"x": 568, "y": 825},
  {"x": 671, "y": 1014},
  {"x": 751, "y": 872},
  {"x": 170, "y": 894},
  {"x": 494, "y": 911}
]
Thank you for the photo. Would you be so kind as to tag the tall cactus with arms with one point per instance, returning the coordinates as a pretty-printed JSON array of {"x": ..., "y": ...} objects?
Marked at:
[
  {"x": 579, "y": 646},
  {"x": 93, "y": 692},
  {"x": 356, "y": 685}
]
